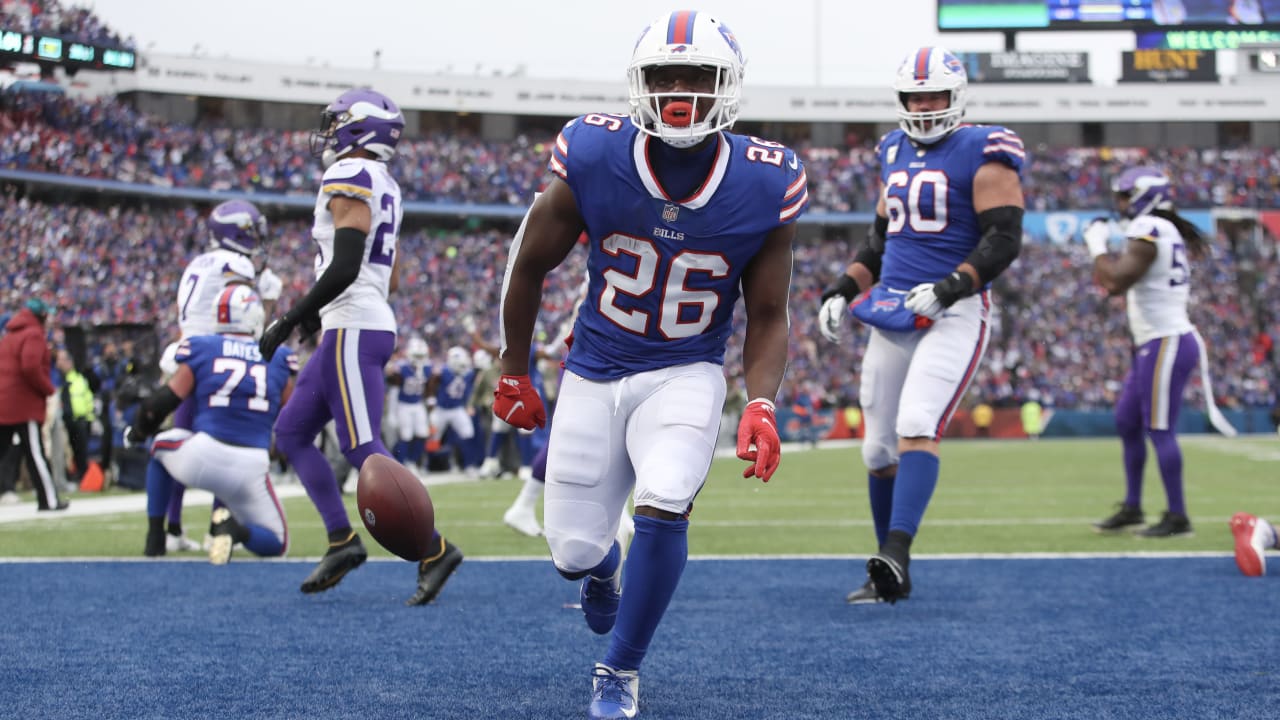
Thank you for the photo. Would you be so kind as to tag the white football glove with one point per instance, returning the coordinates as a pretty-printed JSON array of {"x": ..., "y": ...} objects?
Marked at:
[
  {"x": 830, "y": 317},
  {"x": 923, "y": 301},
  {"x": 1096, "y": 235}
]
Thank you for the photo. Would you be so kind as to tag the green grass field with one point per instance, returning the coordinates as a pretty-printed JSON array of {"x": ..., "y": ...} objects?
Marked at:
[{"x": 993, "y": 497}]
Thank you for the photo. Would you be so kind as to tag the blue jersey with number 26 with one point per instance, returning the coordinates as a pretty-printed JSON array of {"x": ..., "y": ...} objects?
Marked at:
[
  {"x": 663, "y": 273},
  {"x": 928, "y": 193},
  {"x": 237, "y": 394}
]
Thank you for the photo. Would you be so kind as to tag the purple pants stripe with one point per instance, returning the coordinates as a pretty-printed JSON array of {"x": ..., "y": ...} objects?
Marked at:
[
  {"x": 343, "y": 381},
  {"x": 1152, "y": 392}
]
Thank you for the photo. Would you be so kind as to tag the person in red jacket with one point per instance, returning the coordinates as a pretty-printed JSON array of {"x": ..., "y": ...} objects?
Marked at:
[{"x": 25, "y": 363}]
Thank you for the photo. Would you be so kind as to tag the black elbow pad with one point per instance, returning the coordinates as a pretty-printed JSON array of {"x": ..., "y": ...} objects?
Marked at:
[
  {"x": 870, "y": 253},
  {"x": 154, "y": 409},
  {"x": 1000, "y": 243}
]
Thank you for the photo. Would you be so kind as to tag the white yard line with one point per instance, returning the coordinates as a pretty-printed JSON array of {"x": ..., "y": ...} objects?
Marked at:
[{"x": 87, "y": 505}]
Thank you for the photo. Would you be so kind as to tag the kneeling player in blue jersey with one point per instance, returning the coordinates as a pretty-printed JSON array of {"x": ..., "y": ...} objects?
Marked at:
[
  {"x": 237, "y": 397},
  {"x": 681, "y": 217}
]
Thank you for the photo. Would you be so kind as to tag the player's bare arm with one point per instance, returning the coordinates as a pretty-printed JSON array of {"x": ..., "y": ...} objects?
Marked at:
[
  {"x": 766, "y": 284},
  {"x": 287, "y": 392},
  {"x": 865, "y": 268},
  {"x": 549, "y": 233},
  {"x": 998, "y": 203},
  {"x": 183, "y": 382},
  {"x": 1117, "y": 273},
  {"x": 394, "y": 284}
]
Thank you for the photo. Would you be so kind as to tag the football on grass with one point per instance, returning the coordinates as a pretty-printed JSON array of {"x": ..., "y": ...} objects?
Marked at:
[{"x": 395, "y": 507}]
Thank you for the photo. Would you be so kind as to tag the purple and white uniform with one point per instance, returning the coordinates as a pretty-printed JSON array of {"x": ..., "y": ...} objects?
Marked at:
[
  {"x": 1167, "y": 346},
  {"x": 344, "y": 380}
]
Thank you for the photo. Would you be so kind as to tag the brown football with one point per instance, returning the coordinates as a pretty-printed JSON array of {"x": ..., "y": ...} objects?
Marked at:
[{"x": 395, "y": 507}]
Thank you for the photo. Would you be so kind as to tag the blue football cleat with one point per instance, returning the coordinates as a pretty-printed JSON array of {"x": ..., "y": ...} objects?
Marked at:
[
  {"x": 615, "y": 694},
  {"x": 600, "y": 600}
]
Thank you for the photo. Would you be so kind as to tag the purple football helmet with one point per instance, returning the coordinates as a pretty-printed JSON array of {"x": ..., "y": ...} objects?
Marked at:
[
  {"x": 1146, "y": 188},
  {"x": 237, "y": 225},
  {"x": 359, "y": 118}
]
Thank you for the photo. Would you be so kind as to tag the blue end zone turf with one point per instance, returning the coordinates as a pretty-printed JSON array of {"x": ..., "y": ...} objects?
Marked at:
[{"x": 1076, "y": 638}]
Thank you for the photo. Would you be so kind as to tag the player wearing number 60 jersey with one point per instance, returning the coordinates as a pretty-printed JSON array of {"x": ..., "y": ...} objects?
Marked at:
[
  {"x": 357, "y": 227},
  {"x": 681, "y": 216},
  {"x": 948, "y": 222}
]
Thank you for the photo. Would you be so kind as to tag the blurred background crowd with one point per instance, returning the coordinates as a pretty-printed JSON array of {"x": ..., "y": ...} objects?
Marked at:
[
  {"x": 107, "y": 139},
  {"x": 107, "y": 265}
]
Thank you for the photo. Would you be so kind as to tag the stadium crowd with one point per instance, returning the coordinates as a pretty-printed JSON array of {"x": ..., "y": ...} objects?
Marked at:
[
  {"x": 1058, "y": 339},
  {"x": 50, "y": 17},
  {"x": 106, "y": 138}
]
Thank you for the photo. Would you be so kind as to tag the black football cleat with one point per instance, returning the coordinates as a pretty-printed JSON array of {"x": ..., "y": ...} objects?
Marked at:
[
  {"x": 340, "y": 559},
  {"x": 867, "y": 595},
  {"x": 1170, "y": 525},
  {"x": 155, "y": 544},
  {"x": 434, "y": 572},
  {"x": 889, "y": 577},
  {"x": 1125, "y": 516}
]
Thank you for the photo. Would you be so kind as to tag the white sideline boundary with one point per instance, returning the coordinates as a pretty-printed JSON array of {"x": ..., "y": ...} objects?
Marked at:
[{"x": 197, "y": 558}]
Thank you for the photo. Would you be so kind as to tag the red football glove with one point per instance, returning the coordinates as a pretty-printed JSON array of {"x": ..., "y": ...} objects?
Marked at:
[
  {"x": 759, "y": 427},
  {"x": 517, "y": 403}
]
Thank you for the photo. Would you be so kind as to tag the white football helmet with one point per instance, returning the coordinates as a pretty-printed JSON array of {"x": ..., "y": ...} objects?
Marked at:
[
  {"x": 417, "y": 350},
  {"x": 458, "y": 360},
  {"x": 239, "y": 311},
  {"x": 930, "y": 69},
  {"x": 690, "y": 38},
  {"x": 481, "y": 359}
]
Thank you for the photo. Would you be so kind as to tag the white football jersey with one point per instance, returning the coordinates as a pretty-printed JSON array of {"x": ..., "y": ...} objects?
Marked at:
[
  {"x": 202, "y": 283},
  {"x": 1157, "y": 303},
  {"x": 363, "y": 304},
  {"x": 269, "y": 285}
]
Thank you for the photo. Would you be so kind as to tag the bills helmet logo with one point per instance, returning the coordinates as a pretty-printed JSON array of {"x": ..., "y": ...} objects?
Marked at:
[{"x": 732, "y": 41}]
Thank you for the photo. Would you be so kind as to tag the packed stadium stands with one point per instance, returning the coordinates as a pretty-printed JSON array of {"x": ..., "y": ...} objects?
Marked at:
[
  {"x": 107, "y": 138},
  {"x": 116, "y": 258}
]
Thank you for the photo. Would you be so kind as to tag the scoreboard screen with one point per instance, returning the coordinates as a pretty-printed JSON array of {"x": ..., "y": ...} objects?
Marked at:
[{"x": 969, "y": 15}]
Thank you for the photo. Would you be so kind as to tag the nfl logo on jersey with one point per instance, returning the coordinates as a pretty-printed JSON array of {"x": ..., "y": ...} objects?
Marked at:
[{"x": 670, "y": 213}]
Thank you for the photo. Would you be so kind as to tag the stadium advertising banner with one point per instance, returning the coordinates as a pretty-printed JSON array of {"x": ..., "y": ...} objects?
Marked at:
[
  {"x": 1169, "y": 66},
  {"x": 63, "y": 51},
  {"x": 1026, "y": 67},
  {"x": 1064, "y": 227},
  {"x": 1005, "y": 104},
  {"x": 1007, "y": 15},
  {"x": 1205, "y": 39}
]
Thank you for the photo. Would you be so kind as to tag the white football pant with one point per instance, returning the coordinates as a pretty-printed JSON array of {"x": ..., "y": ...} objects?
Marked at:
[
  {"x": 654, "y": 431},
  {"x": 912, "y": 382},
  {"x": 411, "y": 421},
  {"x": 236, "y": 475}
]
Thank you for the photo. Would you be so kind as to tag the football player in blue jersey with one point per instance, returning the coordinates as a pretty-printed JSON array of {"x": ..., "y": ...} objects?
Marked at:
[
  {"x": 358, "y": 213},
  {"x": 410, "y": 379},
  {"x": 237, "y": 395},
  {"x": 948, "y": 222},
  {"x": 681, "y": 216},
  {"x": 451, "y": 417}
]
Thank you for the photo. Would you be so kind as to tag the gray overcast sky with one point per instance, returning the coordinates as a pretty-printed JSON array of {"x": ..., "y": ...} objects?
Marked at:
[{"x": 802, "y": 42}]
